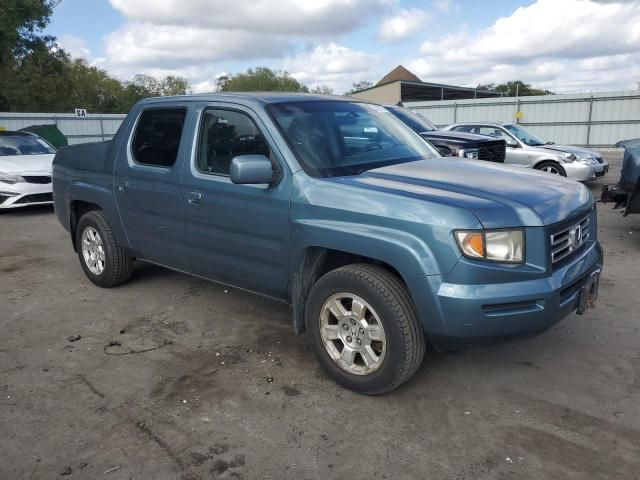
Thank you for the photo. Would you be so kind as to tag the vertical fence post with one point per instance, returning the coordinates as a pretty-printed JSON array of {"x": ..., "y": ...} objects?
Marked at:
[
  {"x": 101, "y": 128},
  {"x": 589, "y": 121},
  {"x": 455, "y": 112},
  {"x": 517, "y": 109}
]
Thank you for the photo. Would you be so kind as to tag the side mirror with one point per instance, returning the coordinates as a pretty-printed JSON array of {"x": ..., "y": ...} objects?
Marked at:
[
  {"x": 444, "y": 151},
  {"x": 512, "y": 143},
  {"x": 251, "y": 169}
]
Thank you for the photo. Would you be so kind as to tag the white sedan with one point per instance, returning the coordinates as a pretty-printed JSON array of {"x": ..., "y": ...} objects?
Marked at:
[{"x": 25, "y": 170}]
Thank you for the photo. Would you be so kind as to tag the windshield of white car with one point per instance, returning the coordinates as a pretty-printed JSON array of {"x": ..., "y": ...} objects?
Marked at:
[
  {"x": 416, "y": 122},
  {"x": 525, "y": 136},
  {"x": 16, "y": 144},
  {"x": 338, "y": 138}
]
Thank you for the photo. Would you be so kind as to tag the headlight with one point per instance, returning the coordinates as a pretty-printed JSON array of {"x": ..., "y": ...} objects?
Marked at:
[
  {"x": 505, "y": 246},
  {"x": 568, "y": 157},
  {"x": 10, "y": 178},
  {"x": 586, "y": 158},
  {"x": 470, "y": 153}
]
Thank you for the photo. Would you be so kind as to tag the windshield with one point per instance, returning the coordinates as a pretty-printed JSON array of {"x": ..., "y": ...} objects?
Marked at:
[
  {"x": 17, "y": 144},
  {"x": 525, "y": 136},
  {"x": 346, "y": 138},
  {"x": 415, "y": 121}
]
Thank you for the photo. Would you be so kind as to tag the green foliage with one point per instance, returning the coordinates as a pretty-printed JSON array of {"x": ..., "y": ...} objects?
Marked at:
[
  {"x": 36, "y": 75},
  {"x": 517, "y": 87},
  {"x": 357, "y": 86},
  {"x": 260, "y": 79},
  {"x": 323, "y": 89}
]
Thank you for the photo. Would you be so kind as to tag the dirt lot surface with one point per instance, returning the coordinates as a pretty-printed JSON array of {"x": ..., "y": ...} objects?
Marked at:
[{"x": 231, "y": 392}]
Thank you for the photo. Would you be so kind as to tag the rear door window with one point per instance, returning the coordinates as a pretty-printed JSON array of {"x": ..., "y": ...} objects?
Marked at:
[{"x": 157, "y": 136}]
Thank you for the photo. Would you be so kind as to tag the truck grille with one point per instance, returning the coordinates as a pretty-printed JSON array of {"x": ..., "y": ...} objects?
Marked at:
[
  {"x": 38, "y": 179},
  {"x": 492, "y": 151},
  {"x": 569, "y": 240}
]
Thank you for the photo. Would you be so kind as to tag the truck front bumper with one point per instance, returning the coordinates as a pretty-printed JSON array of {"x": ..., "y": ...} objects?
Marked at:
[{"x": 458, "y": 316}]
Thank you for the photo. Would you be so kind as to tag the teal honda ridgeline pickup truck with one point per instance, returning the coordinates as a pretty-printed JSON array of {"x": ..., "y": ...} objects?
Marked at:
[{"x": 338, "y": 208}]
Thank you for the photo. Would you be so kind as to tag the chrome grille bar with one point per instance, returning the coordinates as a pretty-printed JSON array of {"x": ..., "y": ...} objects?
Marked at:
[{"x": 567, "y": 241}]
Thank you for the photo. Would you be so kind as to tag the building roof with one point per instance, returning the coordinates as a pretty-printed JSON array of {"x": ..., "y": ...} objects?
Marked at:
[{"x": 398, "y": 73}]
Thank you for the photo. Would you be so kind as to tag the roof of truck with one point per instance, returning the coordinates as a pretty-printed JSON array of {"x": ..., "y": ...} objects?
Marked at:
[{"x": 258, "y": 97}]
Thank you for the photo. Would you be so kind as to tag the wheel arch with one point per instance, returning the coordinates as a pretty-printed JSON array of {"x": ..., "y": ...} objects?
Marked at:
[
  {"x": 77, "y": 208},
  {"x": 315, "y": 262}
]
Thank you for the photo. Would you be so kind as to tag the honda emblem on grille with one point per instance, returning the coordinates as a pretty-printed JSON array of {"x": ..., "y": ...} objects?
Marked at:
[{"x": 575, "y": 237}]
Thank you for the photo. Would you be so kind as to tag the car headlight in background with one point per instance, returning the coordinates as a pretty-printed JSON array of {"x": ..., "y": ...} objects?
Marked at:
[
  {"x": 505, "y": 246},
  {"x": 10, "y": 178},
  {"x": 586, "y": 158},
  {"x": 469, "y": 153}
]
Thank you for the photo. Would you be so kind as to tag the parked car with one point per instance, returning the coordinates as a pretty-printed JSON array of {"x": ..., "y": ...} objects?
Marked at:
[
  {"x": 456, "y": 144},
  {"x": 25, "y": 170},
  {"x": 338, "y": 208},
  {"x": 524, "y": 148},
  {"x": 627, "y": 191}
]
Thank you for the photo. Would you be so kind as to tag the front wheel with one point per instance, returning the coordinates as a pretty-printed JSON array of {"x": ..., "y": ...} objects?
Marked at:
[
  {"x": 552, "y": 167},
  {"x": 363, "y": 329},
  {"x": 104, "y": 262}
]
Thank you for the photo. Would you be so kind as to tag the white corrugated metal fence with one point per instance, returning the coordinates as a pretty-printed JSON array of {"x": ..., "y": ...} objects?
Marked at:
[
  {"x": 596, "y": 120},
  {"x": 92, "y": 128}
]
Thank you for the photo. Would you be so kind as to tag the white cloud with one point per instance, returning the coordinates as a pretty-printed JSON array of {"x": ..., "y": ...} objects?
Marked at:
[
  {"x": 401, "y": 25},
  {"x": 333, "y": 65},
  {"x": 145, "y": 45},
  {"x": 193, "y": 37},
  {"x": 77, "y": 47},
  {"x": 562, "y": 46},
  {"x": 304, "y": 18},
  {"x": 446, "y": 6}
]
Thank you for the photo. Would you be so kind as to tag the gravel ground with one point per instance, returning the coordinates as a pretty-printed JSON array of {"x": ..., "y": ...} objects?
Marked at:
[{"x": 228, "y": 391}]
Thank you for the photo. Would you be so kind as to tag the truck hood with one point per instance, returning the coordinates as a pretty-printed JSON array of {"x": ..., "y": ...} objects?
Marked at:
[
  {"x": 572, "y": 149},
  {"x": 26, "y": 164},
  {"x": 458, "y": 138},
  {"x": 500, "y": 196}
]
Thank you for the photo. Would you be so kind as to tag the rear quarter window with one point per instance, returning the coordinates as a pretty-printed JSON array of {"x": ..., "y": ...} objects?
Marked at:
[{"x": 157, "y": 136}]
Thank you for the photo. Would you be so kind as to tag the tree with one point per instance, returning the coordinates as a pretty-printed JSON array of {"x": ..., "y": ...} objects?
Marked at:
[
  {"x": 21, "y": 25},
  {"x": 175, "y": 85},
  {"x": 516, "y": 87},
  {"x": 323, "y": 89},
  {"x": 357, "y": 86},
  {"x": 261, "y": 79}
]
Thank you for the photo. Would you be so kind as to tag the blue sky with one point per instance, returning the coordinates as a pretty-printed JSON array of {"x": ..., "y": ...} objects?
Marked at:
[{"x": 564, "y": 45}]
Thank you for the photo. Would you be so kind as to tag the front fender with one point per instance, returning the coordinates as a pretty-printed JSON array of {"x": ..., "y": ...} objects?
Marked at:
[{"x": 404, "y": 251}]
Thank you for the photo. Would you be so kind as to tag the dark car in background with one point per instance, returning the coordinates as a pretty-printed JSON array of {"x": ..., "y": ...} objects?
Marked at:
[
  {"x": 455, "y": 144},
  {"x": 626, "y": 193}
]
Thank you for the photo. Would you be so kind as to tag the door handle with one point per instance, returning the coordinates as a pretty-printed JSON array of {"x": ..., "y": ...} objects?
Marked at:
[
  {"x": 123, "y": 185},
  {"x": 194, "y": 198}
]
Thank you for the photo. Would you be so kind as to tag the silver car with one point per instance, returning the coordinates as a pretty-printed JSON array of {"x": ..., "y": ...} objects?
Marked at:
[{"x": 526, "y": 149}]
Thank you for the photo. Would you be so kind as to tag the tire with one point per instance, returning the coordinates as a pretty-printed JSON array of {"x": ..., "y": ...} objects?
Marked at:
[
  {"x": 554, "y": 168},
  {"x": 108, "y": 263},
  {"x": 388, "y": 314}
]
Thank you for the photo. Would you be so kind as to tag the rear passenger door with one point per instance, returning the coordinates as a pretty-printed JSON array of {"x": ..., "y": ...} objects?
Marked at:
[
  {"x": 147, "y": 185},
  {"x": 236, "y": 234}
]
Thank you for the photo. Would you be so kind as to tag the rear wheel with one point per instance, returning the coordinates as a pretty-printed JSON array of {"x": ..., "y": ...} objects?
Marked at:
[
  {"x": 363, "y": 329},
  {"x": 553, "y": 168},
  {"x": 104, "y": 262}
]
